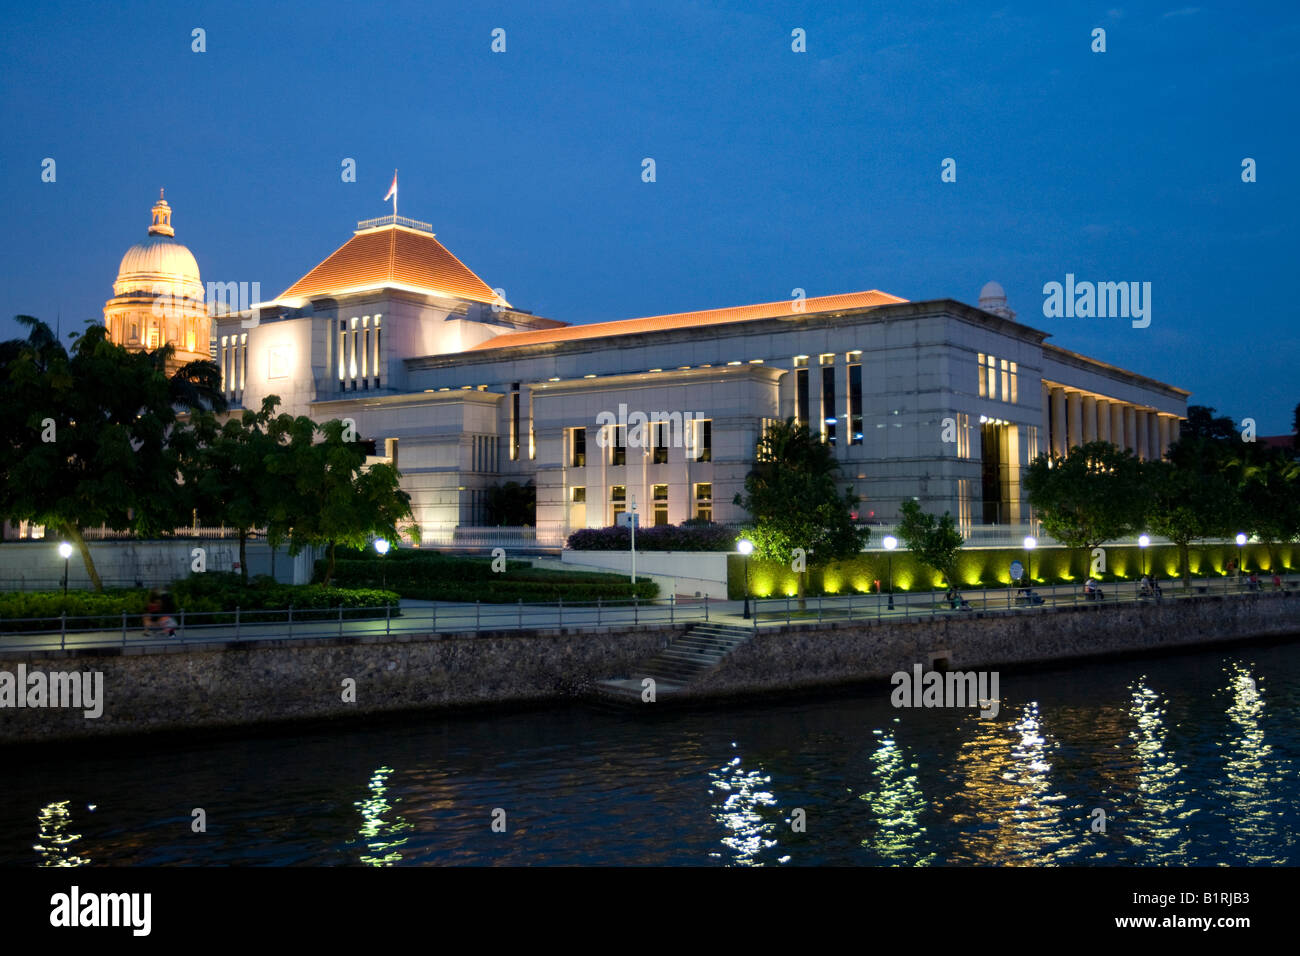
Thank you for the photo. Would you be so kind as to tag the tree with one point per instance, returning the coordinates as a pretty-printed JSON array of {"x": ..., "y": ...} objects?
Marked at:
[
  {"x": 1201, "y": 422},
  {"x": 1295, "y": 429},
  {"x": 92, "y": 437},
  {"x": 794, "y": 503},
  {"x": 512, "y": 504},
  {"x": 328, "y": 495},
  {"x": 935, "y": 542},
  {"x": 1192, "y": 496},
  {"x": 1094, "y": 494},
  {"x": 1267, "y": 484},
  {"x": 229, "y": 472}
]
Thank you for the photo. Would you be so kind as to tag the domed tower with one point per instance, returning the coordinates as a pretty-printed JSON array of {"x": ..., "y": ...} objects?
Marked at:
[
  {"x": 994, "y": 299},
  {"x": 158, "y": 296}
]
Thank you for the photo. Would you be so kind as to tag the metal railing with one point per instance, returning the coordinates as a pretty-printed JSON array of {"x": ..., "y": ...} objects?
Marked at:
[
  {"x": 906, "y": 605},
  {"x": 239, "y": 625}
]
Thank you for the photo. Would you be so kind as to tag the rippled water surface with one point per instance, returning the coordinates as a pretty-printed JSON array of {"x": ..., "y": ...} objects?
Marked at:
[{"x": 1192, "y": 758}]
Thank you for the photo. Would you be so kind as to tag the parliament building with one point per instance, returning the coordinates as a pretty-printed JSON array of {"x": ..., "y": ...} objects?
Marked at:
[{"x": 935, "y": 400}]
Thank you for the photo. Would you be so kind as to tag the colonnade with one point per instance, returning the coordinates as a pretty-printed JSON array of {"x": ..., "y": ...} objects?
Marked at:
[{"x": 1072, "y": 417}]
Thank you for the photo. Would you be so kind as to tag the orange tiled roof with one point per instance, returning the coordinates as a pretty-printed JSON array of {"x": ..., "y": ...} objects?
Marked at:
[
  {"x": 682, "y": 320},
  {"x": 391, "y": 255}
]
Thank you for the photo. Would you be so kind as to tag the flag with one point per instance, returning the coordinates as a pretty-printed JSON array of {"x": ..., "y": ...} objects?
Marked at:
[{"x": 392, "y": 190}]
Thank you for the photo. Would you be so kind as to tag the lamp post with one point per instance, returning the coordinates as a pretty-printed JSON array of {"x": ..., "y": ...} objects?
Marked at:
[
  {"x": 65, "y": 552},
  {"x": 1030, "y": 543},
  {"x": 1144, "y": 541},
  {"x": 1241, "y": 542},
  {"x": 890, "y": 544},
  {"x": 381, "y": 547},
  {"x": 634, "y": 539},
  {"x": 746, "y": 547}
]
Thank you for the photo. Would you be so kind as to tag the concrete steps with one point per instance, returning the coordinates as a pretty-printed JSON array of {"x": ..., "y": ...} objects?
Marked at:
[{"x": 695, "y": 653}]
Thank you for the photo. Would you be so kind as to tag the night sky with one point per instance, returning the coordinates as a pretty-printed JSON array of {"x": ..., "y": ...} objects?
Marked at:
[{"x": 775, "y": 169}]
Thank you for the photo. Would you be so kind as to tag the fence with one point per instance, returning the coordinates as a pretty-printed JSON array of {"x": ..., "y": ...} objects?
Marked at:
[
  {"x": 929, "y": 604},
  {"x": 125, "y": 629}
]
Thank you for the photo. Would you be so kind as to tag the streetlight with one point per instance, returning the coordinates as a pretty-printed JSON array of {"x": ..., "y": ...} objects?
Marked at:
[
  {"x": 1030, "y": 544},
  {"x": 746, "y": 547},
  {"x": 381, "y": 546},
  {"x": 891, "y": 543},
  {"x": 1144, "y": 541},
  {"x": 1241, "y": 542},
  {"x": 65, "y": 552}
]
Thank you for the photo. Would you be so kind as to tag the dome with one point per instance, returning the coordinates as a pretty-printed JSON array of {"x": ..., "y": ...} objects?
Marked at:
[
  {"x": 160, "y": 265},
  {"x": 993, "y": 298}
]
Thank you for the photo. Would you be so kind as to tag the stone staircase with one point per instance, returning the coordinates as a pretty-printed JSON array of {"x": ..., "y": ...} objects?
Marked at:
[{"x": 695, "y": 653}]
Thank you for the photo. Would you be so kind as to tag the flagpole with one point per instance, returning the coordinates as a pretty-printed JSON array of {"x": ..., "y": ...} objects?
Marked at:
[{"x": 394, "y": 197}]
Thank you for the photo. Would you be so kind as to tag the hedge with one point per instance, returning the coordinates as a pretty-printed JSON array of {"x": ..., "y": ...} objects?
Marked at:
[
  {"x": 434, "y": 577},
  {"x": 201, "y": 593},
  {"x": 990, "y": 567},
  {"x": 667, "y": 537}
]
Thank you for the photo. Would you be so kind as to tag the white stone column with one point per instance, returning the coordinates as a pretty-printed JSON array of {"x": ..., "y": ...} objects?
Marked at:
[
  {"x": 1058, "y": 421},
  {"x": 1074, "y": 411},
  {"x": 1130, "y": 428},
  {"x": 1044, "y": 437},
  {"x": 1154, "y": 449},
  {"x": 1089, "y": 418},
  {"x": 1117, "y": 424},
  {"x": 1143, "y": 440},
  {"x": 1103, "y": 420}
]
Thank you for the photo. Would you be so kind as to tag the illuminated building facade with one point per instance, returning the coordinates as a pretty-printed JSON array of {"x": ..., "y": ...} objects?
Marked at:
[{"x": 937, "y": 400}]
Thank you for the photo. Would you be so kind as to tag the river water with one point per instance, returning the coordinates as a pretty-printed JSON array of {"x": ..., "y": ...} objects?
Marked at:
[{"x": 1192, "y": 758}]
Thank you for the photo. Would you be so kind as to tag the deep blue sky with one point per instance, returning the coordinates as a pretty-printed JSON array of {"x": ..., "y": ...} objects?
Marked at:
[{"x": 775, "y": 169}]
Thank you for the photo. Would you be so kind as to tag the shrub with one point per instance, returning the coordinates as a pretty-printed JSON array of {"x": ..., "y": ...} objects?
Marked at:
[{"x": 694, "y": 535}]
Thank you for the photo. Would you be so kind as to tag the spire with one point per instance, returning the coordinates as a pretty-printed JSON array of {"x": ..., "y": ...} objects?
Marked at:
[{"x": 162, "y": 218}]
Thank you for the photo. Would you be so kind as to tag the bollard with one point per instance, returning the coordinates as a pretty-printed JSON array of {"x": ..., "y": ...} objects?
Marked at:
[
  {"x": 672, "y": 603},
  {"x": 386, "y": 618},
  {"x": 124, "y": 625},
  {"x": 706, "y": 607}
]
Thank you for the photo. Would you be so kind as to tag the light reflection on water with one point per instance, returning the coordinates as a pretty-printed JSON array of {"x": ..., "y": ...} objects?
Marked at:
[{"x": 1192, "y": 759}]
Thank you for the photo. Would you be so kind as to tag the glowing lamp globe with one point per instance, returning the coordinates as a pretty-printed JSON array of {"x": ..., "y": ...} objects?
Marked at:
[
  {"x": 890, "y": 542},
  {"x": 745, "y": 547},
  {"x": 65, "y": 550},
  {"x": 381, "y": 546}
]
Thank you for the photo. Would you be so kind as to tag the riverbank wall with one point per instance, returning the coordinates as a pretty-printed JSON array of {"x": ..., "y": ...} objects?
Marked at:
[{"x": 222, "y": 685}]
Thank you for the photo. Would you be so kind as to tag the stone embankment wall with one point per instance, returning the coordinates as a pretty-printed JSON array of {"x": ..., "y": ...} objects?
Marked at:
[
  {"x": 226, "y": 685},
  {"x": 223, "y": 685},
  {"x": 814, "y": 655}
]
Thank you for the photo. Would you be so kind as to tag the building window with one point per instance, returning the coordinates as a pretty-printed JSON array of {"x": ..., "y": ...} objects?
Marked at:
[
  {"x": 661, "y": 443},
  {"x": 374, "y": 365},
  {"x": 618, "y": 501},
  {"x": 579, "y": 448},
  {"x": 660, "y": 504},
  {"x": 701, "y": 439},
  {"x": 579, "y": 496},
  {"x": 514, "y": 422},
  {"x": 618, "y": 449},
  {"x": 343, "y": 354},
  {"x": 1006, "y": 381},
  {"x": 984, "y": 389},
  {"x": 704, "y": 501},
  {"x": 829, "y": 419},
  {"x": 1014, "y": 391},
  {"x": 992, "y": 376},
  {"x": 855, "y": 404},
  {"x": 801, "y": 389}
]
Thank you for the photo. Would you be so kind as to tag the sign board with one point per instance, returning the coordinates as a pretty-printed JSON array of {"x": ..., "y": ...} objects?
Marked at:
[
  {"x": 626, "y": 519},
  {"x": 1017, "y": 570}
]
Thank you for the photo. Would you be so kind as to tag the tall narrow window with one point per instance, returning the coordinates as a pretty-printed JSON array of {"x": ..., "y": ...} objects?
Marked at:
[
  {"x": 829, "y": 419},
  {"x": 243, "y": 361},
  {"x": 343, "y": 353},
  {"x": 375, "y": 364},
  {"x": 855, "y": 404},
  {"x": 579, "y": 448},
  {"x": 1006, "y": 381},
  {"x": 617, "y": 501},
  {"x": 992, "y": 376},
  {"x": 801, "y": 389},
  {"x": 1014, "y": 396},
  {"x": 984, "y": 388},
  {"x": 514, "y": 422},
  {"x": 365, "y": 351},
  {"x": 660, "y": 504},
  {"x": 618, "y": 451}
]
